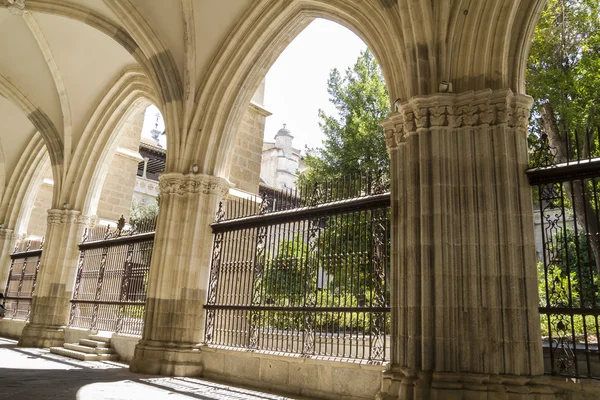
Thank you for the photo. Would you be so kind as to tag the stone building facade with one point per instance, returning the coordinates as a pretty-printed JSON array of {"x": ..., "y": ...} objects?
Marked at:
[
  {"x": 281, "y": 162},
  {"x": 131, "y": 177},
  {"x": 117, "y": 188},
  {"x": 246, "y": 158}
]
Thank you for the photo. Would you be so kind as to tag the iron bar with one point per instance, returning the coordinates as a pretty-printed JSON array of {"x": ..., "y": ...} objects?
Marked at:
[
  {"x": 568, "y": 209},
  {"x": 277, "y": 217},
  {"x": 22, "y": 278},
  {"x": 297, "y": 270},
  {"x": 112, "y": 278}
]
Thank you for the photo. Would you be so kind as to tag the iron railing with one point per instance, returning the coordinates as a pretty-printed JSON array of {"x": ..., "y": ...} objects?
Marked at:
[
  {"x": 565, "y": 176},
  {"x": 112, "y": 278},
  {"x": 307, "y": 194},
  {"x": 308, "y": 277},
  {"x": 22, "y": 276}
]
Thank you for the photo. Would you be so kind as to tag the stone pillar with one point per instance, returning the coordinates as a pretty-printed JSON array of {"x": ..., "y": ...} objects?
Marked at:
[
  {"x": 56, "y": 277},
  {"x": 146, "y": 159},
  {"x": 8, "y": 240},
  {"x": 465, "y": 316},
  {"x": 174, "y": 320}
]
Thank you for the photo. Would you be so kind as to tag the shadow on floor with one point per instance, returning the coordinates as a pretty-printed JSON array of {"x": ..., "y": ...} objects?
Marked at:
[{"x": 27, "y": 373}]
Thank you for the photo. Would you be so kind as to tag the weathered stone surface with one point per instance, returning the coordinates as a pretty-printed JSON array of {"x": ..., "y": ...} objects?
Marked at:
[
  {"x": 315, "y": 378},
  {"x": 54, "y": 289},
  {"x": 463, "y": 249},
  {"x": 174, "y": 318},
  {"x": 246, "y": 157},
  {"x": 37, "y": 374}
]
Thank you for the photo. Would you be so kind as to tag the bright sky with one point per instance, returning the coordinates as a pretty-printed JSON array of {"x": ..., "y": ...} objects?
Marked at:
[{"x": 296, "y": 84}]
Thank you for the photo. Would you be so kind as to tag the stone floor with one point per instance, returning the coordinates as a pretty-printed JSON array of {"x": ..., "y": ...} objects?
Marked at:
[{"x": 27, "y": 374}]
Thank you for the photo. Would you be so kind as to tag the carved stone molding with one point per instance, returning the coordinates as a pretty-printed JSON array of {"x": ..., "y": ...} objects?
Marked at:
[
  {"x": 457, "y": 111},
  {"x": 180, "y": 184},
  {"x": 7, "y": 234},
  {"x": 62, "y": 217},
  {"x": 16, "y": 7}
]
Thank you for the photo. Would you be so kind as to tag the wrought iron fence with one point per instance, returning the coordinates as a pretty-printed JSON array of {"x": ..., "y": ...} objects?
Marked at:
[
  {"x": 307, "y": 194},
  {"x": 308, "y": 277},
  {"x": 565, "y": 175},
  {"x": 22, "y": 276},
  {"x": 112, "y": 278}
]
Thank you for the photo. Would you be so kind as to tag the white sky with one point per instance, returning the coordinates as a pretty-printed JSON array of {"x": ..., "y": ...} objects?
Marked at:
[{"x": 296, "y": 84}]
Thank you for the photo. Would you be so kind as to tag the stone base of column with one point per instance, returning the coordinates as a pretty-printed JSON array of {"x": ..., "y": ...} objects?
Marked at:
[
  {"x": 169, "y": 359},
  {"x": 42, "y": 336},
  {"x": 422, "y": 385}
]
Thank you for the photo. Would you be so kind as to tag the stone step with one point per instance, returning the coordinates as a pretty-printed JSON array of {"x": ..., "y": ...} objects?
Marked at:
[
  {"x": 93, "y": 343},
  {"x": 78, "y": 355},
  {"x": 89, "y": 350},
  {"x": 99, "y": 338}
]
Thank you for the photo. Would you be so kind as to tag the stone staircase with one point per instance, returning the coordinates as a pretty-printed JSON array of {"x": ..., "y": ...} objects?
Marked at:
[{"x": 94, "y": 348}]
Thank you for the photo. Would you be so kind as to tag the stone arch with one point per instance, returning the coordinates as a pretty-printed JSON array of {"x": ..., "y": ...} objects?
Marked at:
[
  {"x": 266, "y": 29},
  {"x": 129, "y": 93},
  {"x": 139, "y": 40},
  {"x": 43, "y": 124},
  {"x": 2, "y": 170},
  {"x": 23, "y": 185}
]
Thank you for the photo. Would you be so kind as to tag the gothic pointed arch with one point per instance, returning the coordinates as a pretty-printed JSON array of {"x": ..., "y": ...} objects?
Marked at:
[
  {"x": 250, "y": 50},
  {"x": 138, "y": 39},
  {"x": 42, "y": 123},
  {"x": 131, "y": 92},
  {"x": 22, "y": 186}
]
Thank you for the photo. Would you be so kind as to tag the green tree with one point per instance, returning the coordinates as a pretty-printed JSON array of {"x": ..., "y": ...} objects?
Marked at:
[
  {"x": 563, "y": 76},
  {"x": 142, "y": 212},
  {"x": 340, "y": 264},
  {"x": 354, "y": 139},
  {"x": 563, "y": 70}
]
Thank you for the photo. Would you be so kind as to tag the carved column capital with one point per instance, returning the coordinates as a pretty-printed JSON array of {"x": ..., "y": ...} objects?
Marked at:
[
  {"x": 64, "y": 217},
  {"x": 16, "y": 7},
  {"x": 180, "y": 184},
  {"x": 455, "y": 111},
  {"x": 393, "y": 128},
  {"x": 7, "y": 234}
]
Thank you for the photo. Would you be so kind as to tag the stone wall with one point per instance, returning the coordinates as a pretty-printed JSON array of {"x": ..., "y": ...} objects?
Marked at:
[
  {"x": 117, "y": 192},
  {"x": 311, "y": 377},
  {"x": 245, "y": 166},
  {"x": 145, "y": 191},
  {"x": 41, "y": 205}
]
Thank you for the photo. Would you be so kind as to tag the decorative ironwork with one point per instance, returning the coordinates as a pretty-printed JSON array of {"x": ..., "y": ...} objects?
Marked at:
[
  {"x": 259, "y": 266},
  {"x": 565, "y": 172},
  {"x": 22, "y": 277},
  {"x": 308, "y": 194},
  {"x": 112, "y": 277},
  {"x": 304, "y": 272},
  {"x": 213, "y": 279}
]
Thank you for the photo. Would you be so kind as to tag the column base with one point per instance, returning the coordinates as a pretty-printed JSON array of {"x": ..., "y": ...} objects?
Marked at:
[
  {"x": 42, "y": 336},
  {"x": 423, "y": 385},
  {"x": 170, "y": 359}
]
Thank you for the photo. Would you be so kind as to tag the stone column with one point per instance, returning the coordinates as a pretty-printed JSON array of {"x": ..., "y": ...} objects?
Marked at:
[
  {"x": 174, "y": 320},
  {"x": 146, "y": 159},
  {"x": 464, "y": 281},
  {"x": 56, "y": 277},
  {"x": 8, "y": 240}
]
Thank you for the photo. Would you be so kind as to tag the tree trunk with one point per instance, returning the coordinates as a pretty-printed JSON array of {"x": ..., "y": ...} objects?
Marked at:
[{"x": 578, "y": 191}]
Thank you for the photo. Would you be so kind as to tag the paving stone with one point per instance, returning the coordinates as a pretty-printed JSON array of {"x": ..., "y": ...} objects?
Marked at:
[{"x": 28, "y": 374}]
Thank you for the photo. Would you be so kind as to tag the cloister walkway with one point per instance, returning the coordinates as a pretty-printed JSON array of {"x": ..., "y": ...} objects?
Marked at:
[{"x": 27, "y": 374}]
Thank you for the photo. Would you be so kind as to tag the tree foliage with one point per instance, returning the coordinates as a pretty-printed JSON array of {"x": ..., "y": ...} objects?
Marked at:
[
  {"x": 563, "y": 69},
  {"x": 141, "y": 211},
  {"x": 563, "y": 76},
  {"x": 354, "y": 139}
]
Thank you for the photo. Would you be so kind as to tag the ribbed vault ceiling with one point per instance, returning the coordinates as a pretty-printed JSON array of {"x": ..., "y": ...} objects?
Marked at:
[{"x": 202, "y": 60}]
